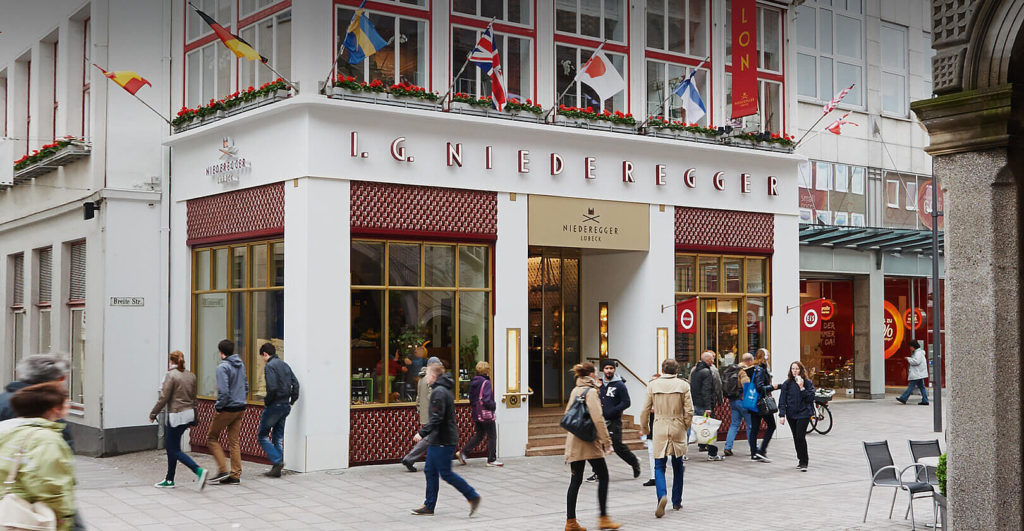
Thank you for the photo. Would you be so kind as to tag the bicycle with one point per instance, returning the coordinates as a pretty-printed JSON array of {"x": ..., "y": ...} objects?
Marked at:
[{"x": 821, "y": 421}]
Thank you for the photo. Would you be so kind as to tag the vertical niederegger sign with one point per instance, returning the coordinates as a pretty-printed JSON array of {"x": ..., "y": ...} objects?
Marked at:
[
  {"x": 744, "y": 58},
  {"x": 589, "y": 223}
]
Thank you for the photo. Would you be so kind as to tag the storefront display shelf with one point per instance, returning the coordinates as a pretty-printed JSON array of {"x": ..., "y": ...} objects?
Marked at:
[{"x": 69, "y": 154}]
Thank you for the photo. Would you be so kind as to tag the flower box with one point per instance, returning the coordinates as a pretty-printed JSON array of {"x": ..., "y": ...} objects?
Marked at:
[
  {"x": 458, "y": 107},
  {"x": 236, "y": 103},
  {"x": 595, "y": 125},
  {"x": 411, "y": 102},
  {"x": 75, "y": 150}
]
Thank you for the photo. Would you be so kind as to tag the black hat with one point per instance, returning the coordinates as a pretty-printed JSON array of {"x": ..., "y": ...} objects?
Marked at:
[{"x": 608, "y": 362}]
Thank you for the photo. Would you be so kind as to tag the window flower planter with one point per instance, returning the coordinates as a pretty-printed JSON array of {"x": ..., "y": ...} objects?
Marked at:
[
  {"x": 234, "y": 104},
  {"x": 595, "y": 125},
  {"x": 49, "y": 158},
  {"x": 401, "y": 95},
  {"x": 469, "y": 109}
]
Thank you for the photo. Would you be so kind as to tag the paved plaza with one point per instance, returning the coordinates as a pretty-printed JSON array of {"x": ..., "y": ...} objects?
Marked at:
[{"x": 529, "y": 493}]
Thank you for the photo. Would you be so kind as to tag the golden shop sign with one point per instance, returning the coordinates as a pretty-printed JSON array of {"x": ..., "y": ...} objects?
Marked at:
[{"x": 589, "y": 223}]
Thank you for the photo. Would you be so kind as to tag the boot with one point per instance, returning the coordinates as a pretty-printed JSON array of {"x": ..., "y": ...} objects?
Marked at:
[
  {"x": 605, "y": 522},
  {"x": 572, "y": 525}
]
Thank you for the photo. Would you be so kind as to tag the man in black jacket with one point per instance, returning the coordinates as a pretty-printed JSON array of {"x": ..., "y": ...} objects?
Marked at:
[
  {"x": 282, "y": 393},
  {"x": 705, "y": 396},
  {"x": 445, "y": 436},
  {"x": 615, "y": 400}
]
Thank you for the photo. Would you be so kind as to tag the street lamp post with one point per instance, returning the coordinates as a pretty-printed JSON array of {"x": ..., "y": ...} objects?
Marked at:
[{"x": 936, "y": 308}]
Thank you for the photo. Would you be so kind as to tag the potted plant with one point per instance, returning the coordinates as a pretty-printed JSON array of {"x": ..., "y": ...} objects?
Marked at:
[
  {"x": 463, "y": 103},
  {"x": 525, "y": 111},
  {"x": 588, "y": 118},
  {"x": 409, "y": 95}
]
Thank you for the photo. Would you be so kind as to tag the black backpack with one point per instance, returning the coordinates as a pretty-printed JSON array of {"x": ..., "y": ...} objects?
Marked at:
[
  {"x": 731, "y": 382},
  {"x": 577, "y": 419}
]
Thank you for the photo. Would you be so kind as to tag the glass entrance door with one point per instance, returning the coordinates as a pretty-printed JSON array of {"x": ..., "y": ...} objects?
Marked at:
[{"x": 554, "y": 335}]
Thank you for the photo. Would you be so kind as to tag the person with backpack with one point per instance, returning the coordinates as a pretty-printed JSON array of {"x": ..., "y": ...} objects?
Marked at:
[
  {"x": 615, "y": 400},
  {"x": 706, "y": 389},
  {"x": 668, "y": 399},
  {"x": 762, "y": 380},
  {"x": 481, "y": 401},
  {"x": 733, "y": 379},
  {"x": 579, "y": 450}
]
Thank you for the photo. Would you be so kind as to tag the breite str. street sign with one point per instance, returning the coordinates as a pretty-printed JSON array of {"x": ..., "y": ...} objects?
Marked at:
[{"x": 127, "y": 301}]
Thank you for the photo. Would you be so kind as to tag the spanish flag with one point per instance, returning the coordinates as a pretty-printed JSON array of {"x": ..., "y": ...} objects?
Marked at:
[
  {"x": 234, "y": 43},
  {"x": 362, "y": 38},
  {"x": 128, "y": 80}
]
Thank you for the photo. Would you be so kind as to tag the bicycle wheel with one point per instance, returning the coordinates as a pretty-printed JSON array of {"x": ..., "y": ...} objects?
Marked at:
[
  {"x": 814, "y": 418},
  {"x": 824, "y": 424}
]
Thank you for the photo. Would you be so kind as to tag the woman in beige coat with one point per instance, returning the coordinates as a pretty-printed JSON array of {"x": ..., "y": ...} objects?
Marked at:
[
  {"x": 669, "y": 398},
  {"x": 578, "y": 452},
  {"x": 178, "y": 394}
]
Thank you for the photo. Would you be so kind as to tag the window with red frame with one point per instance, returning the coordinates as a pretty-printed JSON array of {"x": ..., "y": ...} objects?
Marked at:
[
  {"x": 514, "y": 11},
  {"x": 271, "y": 36},
  {"x": 598, "y": 19},
  {"x": 769, "y": 115},
  {"x": 677, "y": 38},
  {"x": 406, "y": 57},
  {"x": 28, "y": 104},
  {"x": 207, "y": 60},
  {"x": 53, "y": 113},
  {"x": 568, "y": 60},
  {"x": 76, "y": 316},
  {"x": 516, "y": 62},
  {"x": 3, "y": 103},
  {"x": 17, "y": 263},
  {"x": 86, "y": 72}
]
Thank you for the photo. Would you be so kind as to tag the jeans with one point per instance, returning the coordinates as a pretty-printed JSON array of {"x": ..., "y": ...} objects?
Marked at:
[
  {"x": 271, "y": 431},
  {"x": 621, "y": 450},
  {"x": 488, "y": 430},
  {"x": 711, "y": 449},
  {"x": 172, "y": 443},
  {"x": 739, "y": 413},
  {"x": 231, "y": 421},
  {"x": 677, "y": 478},
  {"x": 919, "y": 384},
  {"x": 439, "y": 464},
  {"x": 600, "y": 467},
  {"x": 756, "y": 419},
  {"x": 799, "y": 429}
]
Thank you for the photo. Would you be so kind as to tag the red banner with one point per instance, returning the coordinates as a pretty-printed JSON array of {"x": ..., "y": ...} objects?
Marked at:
[
  {"x": 810, "y": 316},
  {"x": 744, "y": 58},
  {"x": 686, "y": 316}
]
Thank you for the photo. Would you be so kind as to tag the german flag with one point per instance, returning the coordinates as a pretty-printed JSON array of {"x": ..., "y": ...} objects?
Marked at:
[
  {"x": 128, "y": 80},
  {"x": 234, "y": 43}
]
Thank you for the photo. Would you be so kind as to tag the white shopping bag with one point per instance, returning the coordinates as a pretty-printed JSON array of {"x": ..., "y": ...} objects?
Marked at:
[{"x": 705, "y": 429}]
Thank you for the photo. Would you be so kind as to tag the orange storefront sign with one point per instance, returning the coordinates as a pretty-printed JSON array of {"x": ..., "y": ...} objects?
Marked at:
[{"x": 892, "y": 331}]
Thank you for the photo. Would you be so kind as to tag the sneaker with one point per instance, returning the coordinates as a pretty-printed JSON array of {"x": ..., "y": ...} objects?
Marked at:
[
  {"x": 165, "y": 485},
  {"x": 461, "y": 457},
  {"x": 218, "y": 477},
  {"x": 650, "y": 483},
  {"x": 660, "y": 511},
  {"x": 230, "y": 481},
  {"x": 924, "y": 403},
  {"x": 202, "y": 473},
  {"x": 803, "y": 468},
  {"x": 592, "y": 478},
  {"x": 764, "y": 458},
  {"x": 408, "y": 466},
  {"x": 677, "y": 507},
  {"x": 423, "y": 510},
  {"x": 716, "y": 458},
  {"x": 686, "y": 458},
  {"x": 727, "y": 452},
  {"x": 473, "y": 504},
  {"x": 495, "y": 463},
  {"x": 636, "y": 470},
  {"x": 901, "y": 400},
  {"x": 275, "y": 471}
]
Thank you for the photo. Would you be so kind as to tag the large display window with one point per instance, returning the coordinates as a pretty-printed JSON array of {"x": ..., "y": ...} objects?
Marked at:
[
  {"x": 408, "y": 294},
  {"x": 828, "y": 353},
  {"x": 908, "y": 313}
]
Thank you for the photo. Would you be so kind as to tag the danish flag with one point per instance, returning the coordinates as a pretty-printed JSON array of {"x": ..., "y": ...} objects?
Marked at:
[
  {"x": 834, "y": 102},
  {"x": 835, "y": 126},
  {"x": 485, "y": 56}
]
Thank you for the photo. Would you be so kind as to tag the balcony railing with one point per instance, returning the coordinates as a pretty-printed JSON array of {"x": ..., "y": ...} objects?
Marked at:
[{"x": 50, "y": 157}]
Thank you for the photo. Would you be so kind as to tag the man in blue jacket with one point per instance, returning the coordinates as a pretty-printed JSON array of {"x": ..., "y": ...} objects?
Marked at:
[
  {"x": 615, "y": 400},
  {"x": 232, "y": 392},
  {"x": 282, "y": 393}
]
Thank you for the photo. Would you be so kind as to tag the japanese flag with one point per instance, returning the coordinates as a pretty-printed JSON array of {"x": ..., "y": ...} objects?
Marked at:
[{"x": 600, "y": 75}]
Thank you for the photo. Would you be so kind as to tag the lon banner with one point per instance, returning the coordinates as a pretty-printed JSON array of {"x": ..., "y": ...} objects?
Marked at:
[
  {"x": 810, "y": 316},
  {"x": 686, "y": 316},
  {"x": 744, "y": 58}
]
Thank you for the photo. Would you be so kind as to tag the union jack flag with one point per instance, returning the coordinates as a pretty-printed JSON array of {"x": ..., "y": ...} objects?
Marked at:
[
  {"x": 485, "y": 56},
  {"x": 834, "y": 102}
]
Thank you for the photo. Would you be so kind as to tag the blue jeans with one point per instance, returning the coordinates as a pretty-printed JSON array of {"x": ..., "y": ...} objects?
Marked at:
[
  {"x": 919, "y": 384},
  {"x": 271, "y": 432},
  {"x": 677, "y": 479},
  {"x": 739, "y": 413},
  {"x": 439, "y": 464},
  {"x": 172, "y": 443}
]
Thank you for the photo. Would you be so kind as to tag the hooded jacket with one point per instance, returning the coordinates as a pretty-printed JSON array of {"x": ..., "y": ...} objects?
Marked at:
[
  {"x": 702, "y": 387},
  {"x": 477, "y": 388},
  {"x": 282, "y": 386},
  {"x": 442, "y": 413},
  {"x": 614, "y": 399},
  {"x": 232, "y": 385},
  {"x": 46, "y": 473},
  {"x": 7, "y": 412}
]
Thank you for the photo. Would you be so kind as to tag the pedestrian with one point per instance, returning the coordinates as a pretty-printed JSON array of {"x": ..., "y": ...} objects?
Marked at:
[
  {"x": 43, "y": 464},
  {"x": 423, "y": 410},
  {"x": 232, "y": 392},
  {"x": 36, "y": 369},
  {"x": 668, "y": 398},
  {"x": 796, "y": 404},
  {"x": 481, "y": 401},
  {"x": 615, "y": 400},
  {"x": 762, "y": 378},
  {"x": 648, "y": 441},
  {"x": 579, "y": 452},
  {"x": 178, "y": 395},
  {"x": 734, "y": 377},
  {"x": 917, "y": 371},
  {"x": 706, "y": 388},
  {"x": 444, "y": 437},
  {"x": 282, "y": 393}
]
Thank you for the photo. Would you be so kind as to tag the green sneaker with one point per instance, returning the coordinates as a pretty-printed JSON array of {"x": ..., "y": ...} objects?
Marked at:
[
  {"x": 165, "y": 485},
  {"x": 202, "y": 474}
]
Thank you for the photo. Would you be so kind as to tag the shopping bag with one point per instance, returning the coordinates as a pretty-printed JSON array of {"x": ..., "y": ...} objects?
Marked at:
[
  {"x": 750, "y": 397},
  {"x": 705, "y": 428}
]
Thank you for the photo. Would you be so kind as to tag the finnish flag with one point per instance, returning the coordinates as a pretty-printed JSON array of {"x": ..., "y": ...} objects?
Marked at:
[{"x": 692, "y": 103}]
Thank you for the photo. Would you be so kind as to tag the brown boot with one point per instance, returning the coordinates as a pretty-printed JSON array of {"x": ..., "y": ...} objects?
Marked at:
[
  {"x": 572, "y": 525},
  {"x": 605, "y": 522}
]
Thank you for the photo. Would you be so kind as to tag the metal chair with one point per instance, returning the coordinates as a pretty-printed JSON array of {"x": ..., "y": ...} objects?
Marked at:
[
  {"x": 885, "y": 474},
  {"x": 919, "y": 449}
]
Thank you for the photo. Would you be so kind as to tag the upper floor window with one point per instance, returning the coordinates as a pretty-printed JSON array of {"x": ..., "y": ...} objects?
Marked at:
[
  {"x": 678, "y": 26},
  {"x": 220, "y": 10},
  {"x": 516, "y": 62},
  {"x": 830, "y": 55},
  {"x": 404, "y": 59},
  {"x": 769, "y": 39},
  {"x": 272, "y": 38},
  {"x": 86, "y": 72},
  {"x": 894, "y": 69},
  {"x": 251, "y": 7},
  {"x": 769, "y": 115},
  {"x": 3, "y": 103},
  {"x": 568, "y": 61},
  {"x": 599, "y": 19},
  {"x": 514, "y": 11},
  {"x": 207, "y": 73},
  {"x": 662, "y": 79},
  {"x": 833, "y": 194}
]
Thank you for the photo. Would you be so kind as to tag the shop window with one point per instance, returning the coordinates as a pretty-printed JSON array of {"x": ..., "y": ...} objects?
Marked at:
[
  {"x": 830, "y": 50},
  {"x": 598, "y": 19},
  {"x": 406, "y": 295},
  {"x": 238, "y": 293},
  {"x": 514, "y": 11},
  {"x": 828, "y": 353},
  {"x": 272, "y": 38},
  {"x": 568, "y": 61},
  {"x": 686, "y": 274},
  {"x": 404, "y": 60},
  {"x": 903, "y": 296},
  {"x": 662, "y": 78},
  {"x": 516, "y": 63},
  {"x": 678, "y": 27},
  {"x": 76, "y": 312}
]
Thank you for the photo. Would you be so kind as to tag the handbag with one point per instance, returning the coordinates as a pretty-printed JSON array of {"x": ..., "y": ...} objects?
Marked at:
[
  {"x": 485, "y": 415},
  {"x": 767, "y": 405},
  {"x": 577, "y": 419},
  {"x": 750, "y": 397},
  {"x": 705, "y": 428},
  {"x": 15, "y": 511}
]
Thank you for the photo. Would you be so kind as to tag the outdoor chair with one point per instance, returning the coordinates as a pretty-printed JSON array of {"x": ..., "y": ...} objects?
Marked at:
[
  {"x": 885, "y": 474},
  {"x": 919, "y": 449}
]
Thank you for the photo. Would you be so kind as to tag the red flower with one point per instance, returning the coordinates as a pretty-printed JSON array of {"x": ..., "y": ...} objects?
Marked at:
[
  {"x": 250, "y": 89},
  {"x": 590, "y": 109},
  {"x": 279, "y": 80}
]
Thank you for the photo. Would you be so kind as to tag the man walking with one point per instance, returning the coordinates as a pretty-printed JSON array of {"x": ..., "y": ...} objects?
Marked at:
[
  {"x": 615, "y": 400},
  {"x": 282, "y": 393},
  {"x": 733, "y": 379},
  {"x": 917, "y": 371},
  {"x": 31, "y": 370},
  {"x": 423, "y": 408},
  {"x": 232, "y": 391},
  {"x": 706, "y": 395},
  {"x": 668, "y": 397},
  {"x": 445, "y": 436}
]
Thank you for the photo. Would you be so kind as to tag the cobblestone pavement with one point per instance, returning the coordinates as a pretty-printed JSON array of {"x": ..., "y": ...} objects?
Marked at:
[{"x": 529, "y": 493}]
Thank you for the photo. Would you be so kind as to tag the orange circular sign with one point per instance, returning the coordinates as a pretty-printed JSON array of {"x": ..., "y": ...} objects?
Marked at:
[
  {"x": 892, "y": 332},
  {"x": 918, "y": 319},
  {"x": 828, "y": 310}
]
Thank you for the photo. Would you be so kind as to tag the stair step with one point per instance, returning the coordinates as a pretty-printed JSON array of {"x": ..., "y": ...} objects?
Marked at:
[{"x": 560, "y": 449}]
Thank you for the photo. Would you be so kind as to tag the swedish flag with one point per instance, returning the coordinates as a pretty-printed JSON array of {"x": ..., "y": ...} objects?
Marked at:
[{"x": 362, "y": 39}]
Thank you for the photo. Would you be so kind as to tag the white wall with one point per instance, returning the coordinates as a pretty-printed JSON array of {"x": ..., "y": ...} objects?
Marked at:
[
  {"x": 785, "y": 325},
  {"x": 511, "y": 311}
]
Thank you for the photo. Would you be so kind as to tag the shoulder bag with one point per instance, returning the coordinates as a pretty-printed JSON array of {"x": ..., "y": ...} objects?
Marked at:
[
  {"x": 766, "y": 405},
  {"x": 577, "y": 419},
  {"x": 15, "y": 511},
  {"x": 485, "y": 415}
]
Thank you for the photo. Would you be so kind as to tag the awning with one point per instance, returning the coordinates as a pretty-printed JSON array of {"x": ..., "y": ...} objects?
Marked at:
[{"x": 870, "y": 238}]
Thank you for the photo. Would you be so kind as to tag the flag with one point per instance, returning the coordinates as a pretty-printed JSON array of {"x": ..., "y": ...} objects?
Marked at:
[
  {"x": 810, "y": 316},
  {"x": 744, "y": 58},
  {"x": 599, "y": 74},
  {"x": 834, "y": 102},
  {"x": 234, "y": 43},
  {"x": 835, "y": 126},
  {"x": 362, "y": 39},
  {"x": 485, "y": 56},
  {"x": 128, "y": 80},
  {"x": 686, "y": 316},
  {"x": 692, "y": 102}
]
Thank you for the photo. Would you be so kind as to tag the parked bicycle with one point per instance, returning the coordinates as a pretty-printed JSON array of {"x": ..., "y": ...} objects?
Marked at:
[{"x": 821, "y": 421}]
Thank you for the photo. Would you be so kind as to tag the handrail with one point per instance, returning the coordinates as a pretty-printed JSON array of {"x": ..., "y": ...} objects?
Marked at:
[{"x": 623, "y": 365}]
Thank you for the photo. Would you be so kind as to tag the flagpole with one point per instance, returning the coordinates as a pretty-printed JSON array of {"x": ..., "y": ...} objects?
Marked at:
[
  {"x": 820, "y": 118},
  {"x": 148, "y": 106},
  {"x": 466, "y": 63},
  {"x": 671, "y": 92},
  {"x": 571, "y": 85}
]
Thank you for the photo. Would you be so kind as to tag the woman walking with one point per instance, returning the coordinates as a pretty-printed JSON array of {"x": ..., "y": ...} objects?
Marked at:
[
  {"x": 578, "y": 452},
  {"x": 796, "y": 404},
  {"x": 179, "y": 395},
  {"x": 762, "y": 380},
  {"x": 481, "y": 399}
]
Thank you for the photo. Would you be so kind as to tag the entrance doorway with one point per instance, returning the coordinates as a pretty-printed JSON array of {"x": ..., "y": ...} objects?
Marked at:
[{"x": 554, "y": 333}]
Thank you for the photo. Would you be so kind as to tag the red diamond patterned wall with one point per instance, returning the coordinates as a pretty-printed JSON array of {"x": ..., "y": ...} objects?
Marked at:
[
  {"x": 250, "y": 213},
  {"x": 251, "y": 450},
  {"x": 393, "y": 209},
  {"x": 384, "y": 435},
  {"x": 701, "y": 229}
]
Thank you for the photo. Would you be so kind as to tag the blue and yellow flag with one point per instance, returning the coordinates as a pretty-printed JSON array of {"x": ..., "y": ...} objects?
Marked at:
[{"x": 362, "y": 39}]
